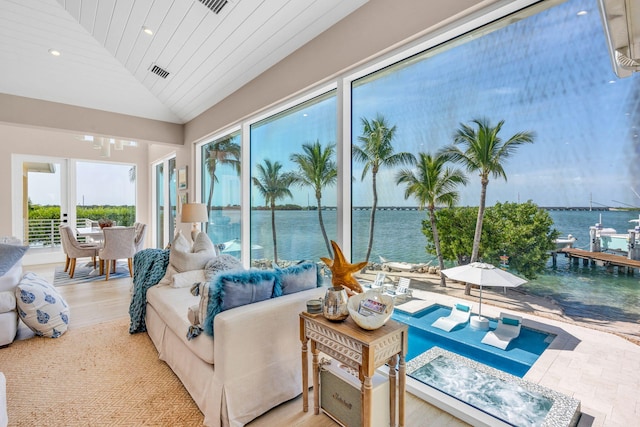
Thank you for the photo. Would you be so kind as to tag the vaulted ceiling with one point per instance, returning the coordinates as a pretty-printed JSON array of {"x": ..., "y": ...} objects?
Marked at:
[{"x": 209, "y": 48}]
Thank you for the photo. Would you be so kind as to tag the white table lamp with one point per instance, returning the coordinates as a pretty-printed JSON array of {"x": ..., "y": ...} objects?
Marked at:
[{"x": 194, "y": 213}]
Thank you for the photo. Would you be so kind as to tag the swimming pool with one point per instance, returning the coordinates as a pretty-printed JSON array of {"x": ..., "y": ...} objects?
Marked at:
[{"x": 516, "y": 360}]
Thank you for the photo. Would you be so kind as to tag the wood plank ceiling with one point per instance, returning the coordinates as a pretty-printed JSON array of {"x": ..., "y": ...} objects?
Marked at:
[{"x": 106, "y": 57}]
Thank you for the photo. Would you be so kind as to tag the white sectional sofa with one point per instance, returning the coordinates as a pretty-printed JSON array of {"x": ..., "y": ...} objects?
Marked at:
[
  {"x": 236, "y": 357},
  {"x": 10, "y": 275},
  {"x": 250, "y": 365},
  {"x": 8, "y": 312}
]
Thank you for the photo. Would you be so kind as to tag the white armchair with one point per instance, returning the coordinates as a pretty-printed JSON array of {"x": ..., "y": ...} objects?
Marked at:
[{"x": 119, "y": 243}]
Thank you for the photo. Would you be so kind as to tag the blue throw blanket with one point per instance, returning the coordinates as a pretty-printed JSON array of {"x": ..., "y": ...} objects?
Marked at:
[{"x": 149, "y": 267}]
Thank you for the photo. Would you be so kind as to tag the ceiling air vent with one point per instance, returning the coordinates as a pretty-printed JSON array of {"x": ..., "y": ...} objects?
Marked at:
[
  {"x": 159, "y": 71},
  {"x": 214, "y": 5}
]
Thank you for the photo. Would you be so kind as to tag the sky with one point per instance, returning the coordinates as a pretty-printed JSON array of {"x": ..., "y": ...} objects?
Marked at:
[
  {"x": 549, "y": 74},
  {"x": 97, "y": 183}
]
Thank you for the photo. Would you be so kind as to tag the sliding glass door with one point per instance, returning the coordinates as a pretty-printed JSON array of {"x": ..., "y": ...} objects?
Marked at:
[
  {"x": 164, "y": 201},
  {"x": 48, "y": 191}
]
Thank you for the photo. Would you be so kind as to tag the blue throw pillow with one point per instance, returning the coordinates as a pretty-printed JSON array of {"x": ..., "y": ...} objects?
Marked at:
[
  {"x": 233, "y": 289},
  {"x": 300, "y": 277},
  {"x": 9, "y": 255}
]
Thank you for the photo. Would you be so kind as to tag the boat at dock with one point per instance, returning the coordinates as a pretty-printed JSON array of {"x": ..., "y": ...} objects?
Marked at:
[
  {"x": 565, "y": 242},
  {"x": 606, "y": 239}
]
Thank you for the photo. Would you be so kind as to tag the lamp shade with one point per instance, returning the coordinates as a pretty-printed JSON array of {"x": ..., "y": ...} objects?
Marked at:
[{"x": 194, "y": 212}]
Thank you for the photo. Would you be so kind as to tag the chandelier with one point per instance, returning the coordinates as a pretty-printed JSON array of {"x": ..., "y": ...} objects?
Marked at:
[{"x": 105, "y": 145}]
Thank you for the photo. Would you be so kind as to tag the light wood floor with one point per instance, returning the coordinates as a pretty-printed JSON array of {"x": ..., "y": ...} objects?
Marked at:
[{"x": 102, "y": 301}]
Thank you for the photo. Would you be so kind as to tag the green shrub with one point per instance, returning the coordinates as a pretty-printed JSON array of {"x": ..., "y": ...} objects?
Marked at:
[{"x": 122, "y": 215}]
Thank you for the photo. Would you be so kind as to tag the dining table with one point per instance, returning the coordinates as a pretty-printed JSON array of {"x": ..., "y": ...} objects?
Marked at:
[{"x": 90, "y": 234}]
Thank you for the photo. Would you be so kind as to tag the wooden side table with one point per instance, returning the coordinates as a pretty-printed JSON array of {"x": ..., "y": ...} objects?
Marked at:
[{"x": 359, "y": 349}]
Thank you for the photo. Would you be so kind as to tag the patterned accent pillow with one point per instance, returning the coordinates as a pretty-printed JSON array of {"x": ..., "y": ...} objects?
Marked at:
[{"x": 40, "y": 306}]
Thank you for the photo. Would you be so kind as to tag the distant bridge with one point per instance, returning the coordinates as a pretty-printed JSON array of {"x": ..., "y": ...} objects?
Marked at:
[
  {"x": 577, "y": 208},
  {"x": 548, "y": 208}
]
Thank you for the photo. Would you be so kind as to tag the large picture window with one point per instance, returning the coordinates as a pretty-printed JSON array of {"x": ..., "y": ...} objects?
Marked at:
[
  {"x": 549, "y": 74},
  {"x": 293, "y": 182},
  {"x": 221, "y": 190}
]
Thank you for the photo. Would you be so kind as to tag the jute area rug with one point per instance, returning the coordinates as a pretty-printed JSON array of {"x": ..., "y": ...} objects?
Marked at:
[{"x": 93, "y": 376}]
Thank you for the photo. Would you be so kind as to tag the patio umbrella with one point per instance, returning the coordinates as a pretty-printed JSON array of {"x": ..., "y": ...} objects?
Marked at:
[{"x": 482, "y": 274}]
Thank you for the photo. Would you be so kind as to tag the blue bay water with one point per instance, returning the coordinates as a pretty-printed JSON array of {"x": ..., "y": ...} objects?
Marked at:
[{"x": 591, "y": 292}]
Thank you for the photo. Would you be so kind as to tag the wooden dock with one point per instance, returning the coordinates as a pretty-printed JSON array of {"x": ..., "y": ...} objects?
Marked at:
[{"x": 600, "y": 258}]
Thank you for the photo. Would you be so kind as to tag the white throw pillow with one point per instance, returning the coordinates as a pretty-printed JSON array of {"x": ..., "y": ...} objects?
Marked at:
[
  {"x": 40, "y": 306},
  {"x": 182, "y": 257},
  {"x": 181, "y": 243},
  {"x": 188, "y": 278},
  {"x": 203, "y": 244}
]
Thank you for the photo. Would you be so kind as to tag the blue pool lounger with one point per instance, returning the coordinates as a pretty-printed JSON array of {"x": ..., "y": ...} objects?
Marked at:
[
  {"x": 460, "y": 313},
  {"x": 508, "y": 328}
]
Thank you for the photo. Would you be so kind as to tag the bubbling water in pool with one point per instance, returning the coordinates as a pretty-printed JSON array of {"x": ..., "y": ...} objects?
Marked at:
[{"x": 507, "y": 401}]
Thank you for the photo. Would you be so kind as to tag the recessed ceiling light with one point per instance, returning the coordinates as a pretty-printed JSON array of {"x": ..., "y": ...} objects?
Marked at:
[
  {"x": 582, "y": 13},
  {"x": 147, "y": 31},
  {"x": 55, "y": 52}
]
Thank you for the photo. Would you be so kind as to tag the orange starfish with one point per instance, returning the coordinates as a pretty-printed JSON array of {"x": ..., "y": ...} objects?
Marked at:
[{"x": 341, "y": 270}]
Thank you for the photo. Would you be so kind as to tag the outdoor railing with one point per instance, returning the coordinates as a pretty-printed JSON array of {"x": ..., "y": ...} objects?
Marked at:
[{"x": 46, "y": 232}]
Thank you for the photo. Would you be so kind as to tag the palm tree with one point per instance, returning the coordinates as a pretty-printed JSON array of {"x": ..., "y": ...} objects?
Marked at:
[
  {"x": 433, "y": 184},
  {"x": 484, "y": 152},
  {"x": 316, "y": 169},
  {"x": 222, "y": 152},
  {"x": 273, "y": 186},
  {"x": 375, "y": 152}
]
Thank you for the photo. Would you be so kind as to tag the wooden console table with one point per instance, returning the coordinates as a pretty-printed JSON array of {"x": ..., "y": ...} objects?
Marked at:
[{"x": 359, "y": 349}]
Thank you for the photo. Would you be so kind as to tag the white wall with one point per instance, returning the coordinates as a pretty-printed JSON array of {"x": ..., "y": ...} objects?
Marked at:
[{"x": 43, "y": 142}]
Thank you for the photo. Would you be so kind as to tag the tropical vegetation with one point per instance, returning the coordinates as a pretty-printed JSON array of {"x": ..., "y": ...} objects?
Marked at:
[
  {"x": 273, "y": 185},
  {"x": 316, "y": 169},
  {"x": 223, "y": 152},
  {"x": 376, "y": 151},
  {"x": 433, "y": 184},
  {"x": 515, "y": 235},
  {"x": 518, "y": 232},
  {"x": 480, "y": 149},
  {"x": 122, "y": 215}
]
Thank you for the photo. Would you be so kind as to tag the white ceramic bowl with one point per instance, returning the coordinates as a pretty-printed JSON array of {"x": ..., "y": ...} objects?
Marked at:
[{"x": 373, "y": 321}]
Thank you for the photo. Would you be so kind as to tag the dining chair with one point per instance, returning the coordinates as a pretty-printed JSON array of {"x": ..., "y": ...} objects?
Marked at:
[
  {"x": 119, "y": 243},
  {"x": 74, "y": 249},
  {"x": 141, "y": 232}
]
